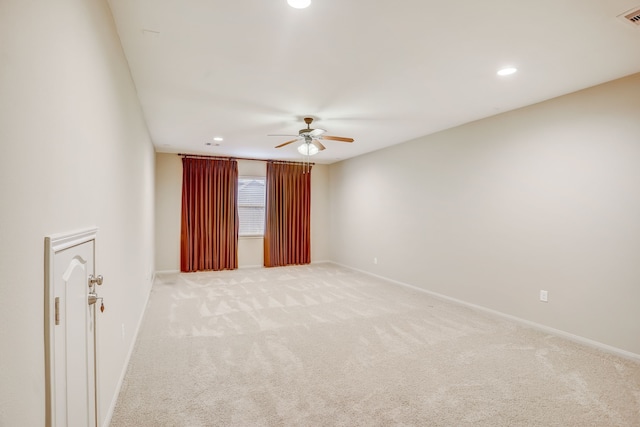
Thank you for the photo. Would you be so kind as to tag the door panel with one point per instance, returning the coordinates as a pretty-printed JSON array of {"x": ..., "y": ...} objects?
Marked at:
[{"x": 71, "y": 384}]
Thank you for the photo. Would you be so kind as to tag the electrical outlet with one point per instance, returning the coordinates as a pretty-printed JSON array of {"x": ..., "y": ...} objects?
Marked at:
[
  {"x": 123, "y": 332},
  {"x": 375, "y": 260},
  {"x": 544, "y": 296}
]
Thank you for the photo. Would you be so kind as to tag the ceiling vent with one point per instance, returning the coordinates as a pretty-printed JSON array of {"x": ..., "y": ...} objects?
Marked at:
[{"x": 632, "y": 16}]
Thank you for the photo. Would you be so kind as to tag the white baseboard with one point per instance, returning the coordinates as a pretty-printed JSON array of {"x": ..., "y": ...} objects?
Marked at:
[
  {"x": 557, "y": 332},
  {"x": 165, "y": 272},
  {"x": 262, "y": 266},
  {"x": 239, "y": 267},
  {"x": 178, "y": 271},
  {"x": 123, "y": 373}
]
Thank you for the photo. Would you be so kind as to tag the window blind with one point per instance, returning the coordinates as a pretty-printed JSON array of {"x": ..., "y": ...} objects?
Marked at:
[{"x": 251, "y": 200}]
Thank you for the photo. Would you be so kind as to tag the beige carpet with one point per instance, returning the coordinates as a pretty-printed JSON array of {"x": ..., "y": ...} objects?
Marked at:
[{"x": 322, "y": 345}]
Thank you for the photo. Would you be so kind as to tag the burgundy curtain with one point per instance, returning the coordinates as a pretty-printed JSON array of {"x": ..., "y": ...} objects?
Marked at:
[
  {"x": 209, "y": 234},
  {"x": 287, "y": 235}
]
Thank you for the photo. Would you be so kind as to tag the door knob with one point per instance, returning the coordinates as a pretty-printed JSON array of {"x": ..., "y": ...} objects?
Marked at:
[{"x": 95, "y": 280}]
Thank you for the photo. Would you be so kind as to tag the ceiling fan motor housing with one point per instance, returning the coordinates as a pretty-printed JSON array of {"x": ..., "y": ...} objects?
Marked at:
[
  {"x": 308, "y": 121},
  {"x": 313, "y": 136}
]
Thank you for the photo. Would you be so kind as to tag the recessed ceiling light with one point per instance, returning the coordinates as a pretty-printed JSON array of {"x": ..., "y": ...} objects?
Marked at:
[
  {"x": 218, "y": 138},
  {"x": 507, "y": 71},
  {"x": 299, "y": 4}
]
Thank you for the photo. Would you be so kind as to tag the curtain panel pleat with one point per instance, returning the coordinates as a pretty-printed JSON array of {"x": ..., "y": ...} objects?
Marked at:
[
  {"x": 209, "y": 231},
  {"x": 287, "y": 236}
]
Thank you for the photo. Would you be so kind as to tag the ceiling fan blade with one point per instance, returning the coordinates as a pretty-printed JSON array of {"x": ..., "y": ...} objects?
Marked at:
[
  {"x": 318, "y": 144},
  {"x": 336, "y": 138},
  {"x": 317, "y": 132},
  {"x": 286, "y": 143}
]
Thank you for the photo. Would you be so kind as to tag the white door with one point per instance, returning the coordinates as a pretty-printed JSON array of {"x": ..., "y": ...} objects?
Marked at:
[{"x": 71, "y": 330}]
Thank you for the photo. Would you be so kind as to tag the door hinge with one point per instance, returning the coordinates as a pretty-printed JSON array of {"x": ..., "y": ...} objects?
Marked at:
[{"x": 57, "y": 314}]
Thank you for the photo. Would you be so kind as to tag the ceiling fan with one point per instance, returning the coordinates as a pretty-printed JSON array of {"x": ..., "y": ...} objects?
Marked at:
[{"x": 311, "y": 139}]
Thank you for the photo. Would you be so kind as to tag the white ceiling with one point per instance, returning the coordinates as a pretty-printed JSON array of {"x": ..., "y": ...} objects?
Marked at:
[{"x": 380, "y": 72}]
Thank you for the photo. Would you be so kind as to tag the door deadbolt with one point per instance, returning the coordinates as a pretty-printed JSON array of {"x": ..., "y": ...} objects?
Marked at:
[{"x": 93, "y": 298}]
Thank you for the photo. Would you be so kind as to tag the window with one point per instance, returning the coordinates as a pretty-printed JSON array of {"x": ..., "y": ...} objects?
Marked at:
[{"x": 251, "y": 196}]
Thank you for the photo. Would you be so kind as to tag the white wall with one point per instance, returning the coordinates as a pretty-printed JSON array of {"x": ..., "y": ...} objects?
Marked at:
[
  {"x": 75, "y": 153},
  {"x": 168, "y": 192},
  {"x": 250, "y": 249},
  {"x": 320, "y": 220},
  {"x": 545, "y": 197}
]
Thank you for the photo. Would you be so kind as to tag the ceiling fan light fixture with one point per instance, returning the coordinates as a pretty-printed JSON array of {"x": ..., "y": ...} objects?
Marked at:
[
  {"x": 299, "y": 4},
  {"x": 310, "y": 139},
  {"x": 307, "y": 149}
]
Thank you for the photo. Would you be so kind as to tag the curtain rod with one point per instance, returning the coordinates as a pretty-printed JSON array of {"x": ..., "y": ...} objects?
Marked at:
[{"x": 203, "y": 156}]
